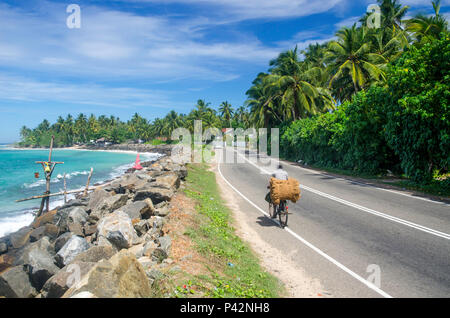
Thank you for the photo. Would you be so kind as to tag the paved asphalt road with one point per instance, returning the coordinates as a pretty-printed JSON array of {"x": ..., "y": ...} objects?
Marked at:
[{"x": 341, "y": 232}]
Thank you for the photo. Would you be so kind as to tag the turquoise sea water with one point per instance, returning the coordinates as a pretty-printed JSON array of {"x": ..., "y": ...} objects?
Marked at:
[{"x": 17, "y": 180}]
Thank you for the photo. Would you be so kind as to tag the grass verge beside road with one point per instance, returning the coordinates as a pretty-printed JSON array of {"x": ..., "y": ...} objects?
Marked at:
[{"x": 235, "y": 270}]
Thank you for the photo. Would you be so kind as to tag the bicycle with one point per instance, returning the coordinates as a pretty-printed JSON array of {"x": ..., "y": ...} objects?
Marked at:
[{"x": 281, "y": 211}]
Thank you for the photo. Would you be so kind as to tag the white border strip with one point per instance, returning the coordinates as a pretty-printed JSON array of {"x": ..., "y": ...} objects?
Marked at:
[
  {"x": 364, "y": 209},
  {"x": 326, "y": 256}
]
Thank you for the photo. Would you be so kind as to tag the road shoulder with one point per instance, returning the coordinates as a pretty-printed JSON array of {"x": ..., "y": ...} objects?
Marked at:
[{"x": 297, "y": 283}]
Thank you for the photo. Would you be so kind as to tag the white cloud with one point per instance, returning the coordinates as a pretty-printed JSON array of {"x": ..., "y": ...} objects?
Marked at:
[
  {"x": 119, "y": 45},
  {"x": 22, "y": 89},
  {"x": 257, "y": 9}
]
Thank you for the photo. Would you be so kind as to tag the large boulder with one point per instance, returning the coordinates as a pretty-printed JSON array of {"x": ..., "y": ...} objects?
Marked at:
[
  {"x": 62, "y": 240},
  {"x": 95, "y": 254},
  {"x": 139, "y": 209},
  {"x": 74, "y": 246},
  {"x": 96, "y": 197},
  {"x": 168, "y": 181},
  {"x": 6, "y": 261},
  {"x": 21, "y": 237},
  {"x": 81, "y": 202},
  {"x": 156, "y": 194},
  {"x": 122, "y": 276},
  {"x": 45, "y": 218},
  {"x": 67, "y": 277},
  {"x": 78, "y": 215},
  {"x": 116, "y": 222},
  {"x": 132, "y": 181},
  {"x": 3, "y": 248},
  {"x": 49, "y": 230},
  {"x": 15, "y": 283},
  {"x": 38, "y": 262},
  {"x": 108, "y": 205}
]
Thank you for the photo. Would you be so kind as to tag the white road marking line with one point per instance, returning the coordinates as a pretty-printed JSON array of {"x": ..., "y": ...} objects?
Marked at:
[
  {"x": 371, "y": 185},
  {"x": 317, "y": 250},
  {"x": 364, "y": 209}
]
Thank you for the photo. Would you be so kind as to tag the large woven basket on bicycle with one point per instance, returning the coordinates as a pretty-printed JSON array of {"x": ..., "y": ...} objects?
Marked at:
[{"x": 284, "y": 190}]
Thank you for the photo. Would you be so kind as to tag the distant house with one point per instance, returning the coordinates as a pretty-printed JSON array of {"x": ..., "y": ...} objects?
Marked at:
[{"x": 101, "y": 141}]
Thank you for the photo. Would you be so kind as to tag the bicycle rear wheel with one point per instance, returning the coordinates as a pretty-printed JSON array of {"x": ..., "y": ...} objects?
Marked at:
[{"x": 283, "y": 216}]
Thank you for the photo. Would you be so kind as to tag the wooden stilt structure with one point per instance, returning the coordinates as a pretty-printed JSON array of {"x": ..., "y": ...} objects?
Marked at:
[{"x": 48, "y": 167}]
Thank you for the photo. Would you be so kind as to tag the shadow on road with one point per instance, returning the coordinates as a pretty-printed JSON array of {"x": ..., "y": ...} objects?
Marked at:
[{"x": 266, "y": 222}]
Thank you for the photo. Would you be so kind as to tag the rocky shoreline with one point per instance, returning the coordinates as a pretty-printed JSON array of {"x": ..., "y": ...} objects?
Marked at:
[{"x": 108, "y": 244}]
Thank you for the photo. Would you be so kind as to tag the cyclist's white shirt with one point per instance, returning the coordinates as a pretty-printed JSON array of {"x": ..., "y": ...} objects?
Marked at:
[{"x": 280, "y": 174}]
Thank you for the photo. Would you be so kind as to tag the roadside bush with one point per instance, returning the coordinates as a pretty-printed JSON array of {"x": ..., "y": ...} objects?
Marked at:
[
  {"x": 418, "y": 123},
  {"x": 362, "y": 140}
]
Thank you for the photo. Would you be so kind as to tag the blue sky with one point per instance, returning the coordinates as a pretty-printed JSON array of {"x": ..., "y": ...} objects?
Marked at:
[{"x": 150, "y": 56}]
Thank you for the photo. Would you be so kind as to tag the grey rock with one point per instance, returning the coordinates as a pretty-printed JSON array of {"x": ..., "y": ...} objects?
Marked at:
[
  {"x": 117, "y": 239},
  {"x": 164, "y": 242},
  {"x": 21, "y": 237},
  {"x": 108, "y": 205},
  {"x": 148, "y": 248},
  {"x": 89, "y": 229},
  {"x": 146, "y": 262},
  {"x": 37, "y": 234},
  {"x": 76, "y": 228},
  {"x": 62, "y": 240},
  {"x": 139, "y": 209},
  {"x": 78, "y": 215},
  {"x": 161, "y": 204},
  {"x": 122, "y": 276},
  {"x": 117, "y": 221},
  {"x": 74, "y": 203},
  {"x": 15, "y": 283},
  {"x": 96, "y": 197},
  {"x": 168, "y": 181},
  {"x": 163, "y": 211},
  {"x": 43, "y": 244},
  {"x": 57, "y": 285},
  {"x": 156, "y": 194},
  {"x": 74, "y": 246},
  {"x": 132, "y": 182},
  {"x": 38, "y": 263},
  {"x": 3, "y": 248},
  {"x": 95, "y": 254},
  {"x": 142, "y": 227}
]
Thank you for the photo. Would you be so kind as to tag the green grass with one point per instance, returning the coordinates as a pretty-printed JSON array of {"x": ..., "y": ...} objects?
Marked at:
[{"x": 234, "y": 269}]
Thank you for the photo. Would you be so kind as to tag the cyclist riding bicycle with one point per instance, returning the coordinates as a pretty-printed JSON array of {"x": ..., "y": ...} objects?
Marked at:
[{"x": 279, "y": 174}]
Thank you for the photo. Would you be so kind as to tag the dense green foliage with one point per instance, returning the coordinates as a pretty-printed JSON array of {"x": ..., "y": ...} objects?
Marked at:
[
  {"x": 418, "y": 123},
  {"x": 82, "y": 130},
  {"x": 403, "y": 126}
]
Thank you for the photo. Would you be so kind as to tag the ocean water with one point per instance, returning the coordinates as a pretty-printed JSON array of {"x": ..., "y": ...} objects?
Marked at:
[{"x": 17, "y": 179}]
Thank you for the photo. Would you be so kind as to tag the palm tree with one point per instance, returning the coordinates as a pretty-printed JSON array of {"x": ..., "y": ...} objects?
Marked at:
[
  {"x": 170, "y": 123},
  {"x": 226, "y": 111},
  {"x": 290, "y": 83},
  {"x": 427, "y": 28},
  {"x": 260, "y": 102},
  {"x": 352, "y": 60}
]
